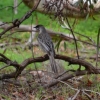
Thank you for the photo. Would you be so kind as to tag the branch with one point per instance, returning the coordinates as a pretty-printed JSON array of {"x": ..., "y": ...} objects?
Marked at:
[
  {"x": 20, "y": 67},
  {"x": 27, "y": 28},
  {"x": 17, "y": 22},
  {"x": 69, "y": 76},
  {"x": 53, "y": 7}
]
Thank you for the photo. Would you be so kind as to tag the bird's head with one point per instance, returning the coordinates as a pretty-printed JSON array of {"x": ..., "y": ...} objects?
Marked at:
[{"x": 39, "y": 28}]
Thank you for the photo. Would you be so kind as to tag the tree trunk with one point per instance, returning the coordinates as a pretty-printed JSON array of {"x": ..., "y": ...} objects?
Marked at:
[{"x": 71, "y": 9}]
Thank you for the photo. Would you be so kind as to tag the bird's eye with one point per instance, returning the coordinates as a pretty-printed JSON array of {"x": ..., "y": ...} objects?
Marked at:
[{"x": 37, "y": 28}]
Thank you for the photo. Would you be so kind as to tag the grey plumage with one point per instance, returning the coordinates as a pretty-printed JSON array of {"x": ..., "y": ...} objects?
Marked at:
[{"x": 46, "y": 45}]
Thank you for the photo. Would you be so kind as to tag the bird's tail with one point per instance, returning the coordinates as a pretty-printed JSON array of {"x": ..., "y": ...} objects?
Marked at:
[{"x": 53, "y": 64}]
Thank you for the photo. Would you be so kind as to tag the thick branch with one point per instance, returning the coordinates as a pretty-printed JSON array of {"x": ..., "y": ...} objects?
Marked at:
[
  {"x": 69, "y": 76},
  {"x": 71, "y": 10},
  {"x": 20, "y": 67},
  {"x": 67, "y": 37},
  {"x": 87, "y": 65}
]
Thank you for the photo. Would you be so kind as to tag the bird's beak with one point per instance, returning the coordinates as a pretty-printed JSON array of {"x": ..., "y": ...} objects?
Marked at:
[{"x": 34, "y": 29}]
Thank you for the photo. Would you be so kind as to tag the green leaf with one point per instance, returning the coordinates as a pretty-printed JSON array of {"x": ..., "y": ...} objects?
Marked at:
[
  {"x": 57, "y": 45},
  {"x": 65, "y": 45}
]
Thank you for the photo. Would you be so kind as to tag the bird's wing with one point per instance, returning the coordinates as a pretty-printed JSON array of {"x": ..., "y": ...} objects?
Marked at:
[
  {"x": 43, "y": 45},
  {"x": 47, "y": 46}
]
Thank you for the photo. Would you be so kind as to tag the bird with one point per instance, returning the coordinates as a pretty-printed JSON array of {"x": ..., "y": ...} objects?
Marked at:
[{"x": 46, "y": 44}]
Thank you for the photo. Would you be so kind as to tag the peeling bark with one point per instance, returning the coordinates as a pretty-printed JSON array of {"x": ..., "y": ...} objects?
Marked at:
[{"x": 68, "y": 8}]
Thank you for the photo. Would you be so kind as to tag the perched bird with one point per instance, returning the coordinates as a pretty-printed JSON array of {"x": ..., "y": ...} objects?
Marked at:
[{"x": 46, "y": 45}]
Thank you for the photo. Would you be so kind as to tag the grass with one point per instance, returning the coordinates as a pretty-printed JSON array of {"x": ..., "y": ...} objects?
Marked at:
[
  {"x": 7, "y": 13},
  {"x": 18, "y": 56},
  {"x": 88, "y": 27}
]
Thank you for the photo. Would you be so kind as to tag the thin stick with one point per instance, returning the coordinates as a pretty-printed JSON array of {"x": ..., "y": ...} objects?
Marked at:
[
  {"x": 98, "y": 36},
  {"x": 33, "y": 53}
]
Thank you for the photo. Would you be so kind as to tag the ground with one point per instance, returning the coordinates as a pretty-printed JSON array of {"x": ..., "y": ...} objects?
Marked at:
[{"x": 28, "y": 87}]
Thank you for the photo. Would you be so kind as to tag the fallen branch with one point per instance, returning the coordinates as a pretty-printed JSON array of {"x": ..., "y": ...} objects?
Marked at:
[
  {"x": 69, "y": 76},
  {"x": 62, "y": 36},
  {"x": 20, "y": 67}
]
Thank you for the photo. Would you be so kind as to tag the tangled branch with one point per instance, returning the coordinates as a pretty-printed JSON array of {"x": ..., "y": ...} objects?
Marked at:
[
  {"x": 17, "y": 22},
  {"x": 20, "y": 67}
]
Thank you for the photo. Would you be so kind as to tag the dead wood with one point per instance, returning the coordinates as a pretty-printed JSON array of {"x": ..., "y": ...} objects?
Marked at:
[
  {"x": 62, "y": 36},
  {"x": 89, "y": 68},
  {"x": 69, "y": 76}
]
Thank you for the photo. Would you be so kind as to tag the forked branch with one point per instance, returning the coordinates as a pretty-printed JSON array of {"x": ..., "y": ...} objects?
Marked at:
[{"x": 89, "y": 68}]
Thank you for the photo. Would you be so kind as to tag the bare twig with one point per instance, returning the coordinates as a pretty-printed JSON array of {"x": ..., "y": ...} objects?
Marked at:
[
  {"x": 17, "y": 22},
  {"x": 69, "y": 76},
  {"x": 64, "y": 73},
  {"x": 67, "y": 85},
  {"x": 71, "y": 30},
  {"x": 92, "y": 91},
  {"x": 78, "y": 91},
  {"x": 89, "y": 97},
  {"x": 33, "y": 54},
  {"x": 98, "y": 36},
  {"x": 4, "y": 66}
]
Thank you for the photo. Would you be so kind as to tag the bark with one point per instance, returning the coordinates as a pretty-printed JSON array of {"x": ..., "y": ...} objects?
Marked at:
[
  {"x": 27, "y": 28},
  {"x": 68, "y": 8},
  {"x": 89, "y": 68}
]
